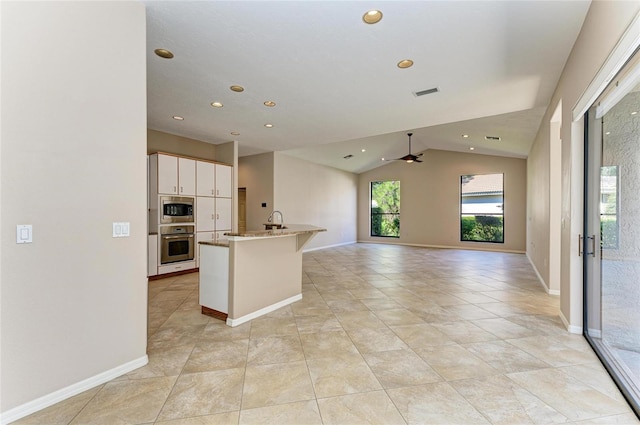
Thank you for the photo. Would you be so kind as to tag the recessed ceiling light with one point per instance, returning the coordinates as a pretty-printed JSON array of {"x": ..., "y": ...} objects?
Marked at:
[
  {"x": 216, "y": 104},
  {"x": 163, "y": 53},
  {"x": 634, "y": 113},
  {"x": 382, "y": 159},
  {"x": 270, "y": 103},
  {"x": 372, "y": 17},
  {"x": 364, "y": 150},
  {"x": 237, "y": 89},
  {"x": 607, "y": 133},
  {"x": 472, "y": 148},
  {"x": 177, "y": 118},
  {"x": 405, "y": 63},
  {"x": 466, "y": 136},
  {"x": 269, "y": 125}
]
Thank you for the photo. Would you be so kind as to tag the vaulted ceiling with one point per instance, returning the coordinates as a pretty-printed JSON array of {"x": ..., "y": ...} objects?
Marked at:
[{"x": 335, "y": 81}]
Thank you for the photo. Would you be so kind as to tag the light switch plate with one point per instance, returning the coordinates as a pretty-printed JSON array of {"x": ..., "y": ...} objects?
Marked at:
[
  {"x": 24, "y": 233},
  {"x": 121, "y": 229}
]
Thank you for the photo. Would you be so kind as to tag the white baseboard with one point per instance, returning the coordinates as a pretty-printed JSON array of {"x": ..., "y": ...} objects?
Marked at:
[
  {"x": 329, "y": 246},
  {"x": 67, "y": 392},
  {"x": 595, "y": 333},
  {"x": 263, "y": 311},
  {"x": 540, "y": 279},
  {"x": 468, "y": 248},
  {"x": 571, "y": 328}
]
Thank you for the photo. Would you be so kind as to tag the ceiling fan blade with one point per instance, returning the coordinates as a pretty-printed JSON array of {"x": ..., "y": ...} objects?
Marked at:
[
  {"x": 420, "y": 154},
  {"x": 417, "y": 160}
]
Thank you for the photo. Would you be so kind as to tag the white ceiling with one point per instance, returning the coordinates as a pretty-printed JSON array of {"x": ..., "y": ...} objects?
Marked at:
[{"x": 335, "y": 81}]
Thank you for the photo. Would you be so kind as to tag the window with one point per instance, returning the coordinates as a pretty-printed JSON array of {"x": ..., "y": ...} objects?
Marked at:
[
  {"x": 385, "y": 208},
  {"x": 482, "y": 208},
  {"x": 609, "y": 206}
]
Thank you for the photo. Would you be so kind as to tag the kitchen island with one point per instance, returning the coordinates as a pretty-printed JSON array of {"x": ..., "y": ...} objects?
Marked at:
[{"x": 253, "y": 273}]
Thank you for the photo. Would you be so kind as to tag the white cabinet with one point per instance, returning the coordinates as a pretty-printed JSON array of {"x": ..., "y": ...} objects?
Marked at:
[
  {"x": 205, "y": 214},
  {"x": 213, "y": 214},
  {"x": 187, "y": 176},
  {"x": 205, "y": 178},
  {"x": 203, "y": 237},
  {"x": 214, "y": 278},
  {"x": 209, "y": 183},
  {"x": 223, "y": 214},
  {"x": 220, "y": 236},
  {"x": 167, "y": 174},
  {"x": 171, "y": 175},
  {"x": 214, "y": 210},
  {"x": 177, "y": 267},
  {"x": 224, "y": 181}
]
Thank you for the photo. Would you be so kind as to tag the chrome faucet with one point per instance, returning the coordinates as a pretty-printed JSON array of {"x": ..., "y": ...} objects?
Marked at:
[{"x": 271, "y": 217}]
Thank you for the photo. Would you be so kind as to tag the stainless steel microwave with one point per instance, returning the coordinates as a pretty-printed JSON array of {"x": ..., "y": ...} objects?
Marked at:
[{"x": 176, "y": 209}]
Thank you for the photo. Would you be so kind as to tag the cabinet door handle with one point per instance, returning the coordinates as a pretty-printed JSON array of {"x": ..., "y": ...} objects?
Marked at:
[
  {"x": 181, "y": 189},
  {"x": 217, "y": 191},
  {"x": 212, "y": 192},
  {"x": 175, "y": 189},
  {"x": 217, "y": 216},
  {"x": 213, "y": 216}
]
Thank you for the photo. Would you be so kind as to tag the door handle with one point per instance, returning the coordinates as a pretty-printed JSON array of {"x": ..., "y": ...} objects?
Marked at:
[
  {"x": 581, "y": 244},
  {"x": 593, "y": 246}
]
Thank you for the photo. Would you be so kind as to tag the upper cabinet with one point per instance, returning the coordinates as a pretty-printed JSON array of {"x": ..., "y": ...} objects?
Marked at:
[
  {"x": 187, "y": 176},
  {"x": 214, "y": 180},
  {"x": 173, "y": 175},
  {"x": 167, "y": 173},
  {"x": 205, "y": 179},
  {"x": 224, "y": 181}
]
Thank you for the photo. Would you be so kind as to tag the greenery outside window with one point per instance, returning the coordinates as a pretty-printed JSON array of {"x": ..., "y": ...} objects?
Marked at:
[
  {"x": 385, "y": 208},
  {"x": 482, "y": 208}
]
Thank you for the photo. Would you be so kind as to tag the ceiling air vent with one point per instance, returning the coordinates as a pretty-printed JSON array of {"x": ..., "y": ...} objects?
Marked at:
[
  {"x": 492, "y": 138},
  {"x": 427, "y": 91},
  {"x": 348, "y": 156}
]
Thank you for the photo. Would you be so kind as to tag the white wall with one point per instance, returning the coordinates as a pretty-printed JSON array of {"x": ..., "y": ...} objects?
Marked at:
[
  {"x": 309, "y": 193},
  {"x": 73, "y": 143},
  {"x": 255, "y": 173},
  {"x": 430, "y": 199},
  {"x": 603, "y": 27},
  {"x": 159, "y": 141}
]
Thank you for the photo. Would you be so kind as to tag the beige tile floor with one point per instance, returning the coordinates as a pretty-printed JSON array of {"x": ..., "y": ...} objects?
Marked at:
[{"x": 383, "y": 335}]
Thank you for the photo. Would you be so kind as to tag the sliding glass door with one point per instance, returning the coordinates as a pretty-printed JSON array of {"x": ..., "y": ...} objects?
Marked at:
[{"x": 611, "y": 241}]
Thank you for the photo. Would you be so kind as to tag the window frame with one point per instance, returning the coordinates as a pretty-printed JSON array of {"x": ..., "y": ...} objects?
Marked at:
[
  {"x": 502, "y": 215},
  {"x": 371, "y": 183}
]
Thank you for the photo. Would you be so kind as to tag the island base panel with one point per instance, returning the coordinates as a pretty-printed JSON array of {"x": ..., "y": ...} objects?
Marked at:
[{"x": 214, "y": 313}]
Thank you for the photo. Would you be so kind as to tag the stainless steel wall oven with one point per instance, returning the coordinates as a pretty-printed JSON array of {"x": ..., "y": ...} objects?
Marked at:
[{"x": 177, "y": 243}]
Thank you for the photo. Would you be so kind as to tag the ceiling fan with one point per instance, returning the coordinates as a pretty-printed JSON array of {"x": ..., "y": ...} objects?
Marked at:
[{"x": 409, "y": 158}]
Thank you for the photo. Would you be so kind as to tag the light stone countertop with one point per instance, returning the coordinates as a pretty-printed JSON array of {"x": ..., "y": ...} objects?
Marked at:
[
  {"x": 289, "y": 229},
  {"x": 223, "y": 243}
]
